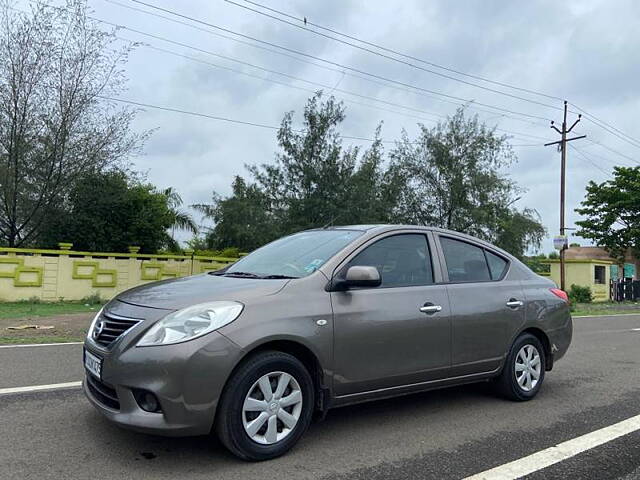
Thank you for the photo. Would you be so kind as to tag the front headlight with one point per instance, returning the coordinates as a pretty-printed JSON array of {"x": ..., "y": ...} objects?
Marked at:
[
  {"x": 191, "y": 322},
  {"x": 93, "y": 323}
]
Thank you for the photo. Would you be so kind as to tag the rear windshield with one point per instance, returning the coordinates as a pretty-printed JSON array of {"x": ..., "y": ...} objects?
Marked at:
[{"x": 295, "y": 256}]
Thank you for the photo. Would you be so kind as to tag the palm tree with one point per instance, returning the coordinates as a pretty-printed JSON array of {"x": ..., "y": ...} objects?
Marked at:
[{"x": 181, "y": 219}]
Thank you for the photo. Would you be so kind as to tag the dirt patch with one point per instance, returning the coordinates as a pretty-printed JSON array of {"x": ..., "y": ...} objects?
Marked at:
[{"x": 74, "y": 325}]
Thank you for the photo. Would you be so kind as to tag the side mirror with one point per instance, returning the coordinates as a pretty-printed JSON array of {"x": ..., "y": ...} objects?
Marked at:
[
  {"x": 356, "y": 276},
  {"x": 361, "y": 276}
]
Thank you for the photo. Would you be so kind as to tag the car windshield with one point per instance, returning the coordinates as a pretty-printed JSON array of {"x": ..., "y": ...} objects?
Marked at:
[{"x": 294, "y": 256}]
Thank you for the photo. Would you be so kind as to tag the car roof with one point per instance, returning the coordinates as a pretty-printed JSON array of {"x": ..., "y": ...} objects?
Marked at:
[
  {"x": 380, "y": 227},
  {"x": 386, "y": 227}
]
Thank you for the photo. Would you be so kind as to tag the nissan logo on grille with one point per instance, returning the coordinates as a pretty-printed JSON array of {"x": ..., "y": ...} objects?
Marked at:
[{"x": 98, "y": 329}]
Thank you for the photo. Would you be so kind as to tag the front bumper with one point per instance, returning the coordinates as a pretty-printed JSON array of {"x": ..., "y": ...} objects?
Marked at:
[{"x": 187, "y": 379}]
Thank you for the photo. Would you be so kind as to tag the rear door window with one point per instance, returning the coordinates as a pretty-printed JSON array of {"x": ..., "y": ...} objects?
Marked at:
[{"x": 465, "y": 262}]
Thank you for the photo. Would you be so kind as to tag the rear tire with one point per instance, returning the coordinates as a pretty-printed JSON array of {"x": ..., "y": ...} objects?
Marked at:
[
  {"x": 266, "y": 406},
  {"x": 523, "y": 371}
]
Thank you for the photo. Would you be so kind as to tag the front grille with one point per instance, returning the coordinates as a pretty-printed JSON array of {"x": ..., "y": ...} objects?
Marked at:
[
  {"x": 110, "y": 327},
  {"x": 103, "y": 392}
]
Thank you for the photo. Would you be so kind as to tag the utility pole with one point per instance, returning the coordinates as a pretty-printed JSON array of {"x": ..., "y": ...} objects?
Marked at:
[{"x": 562, "y": 145}]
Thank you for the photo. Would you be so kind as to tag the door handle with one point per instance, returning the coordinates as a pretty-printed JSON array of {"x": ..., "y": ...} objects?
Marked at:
[
  {"x": 430, "y": 308},
  {"x": 513, "y": 303}
]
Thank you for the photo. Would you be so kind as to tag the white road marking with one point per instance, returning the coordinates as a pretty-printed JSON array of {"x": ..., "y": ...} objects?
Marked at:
[
  {"x": 25, "y": 345},
  {"x": 562, "y": 451},
  {"x": 611, "y": 315},
  {"x": 38, "y": 388},
  {"x": 611, "y": 331}
]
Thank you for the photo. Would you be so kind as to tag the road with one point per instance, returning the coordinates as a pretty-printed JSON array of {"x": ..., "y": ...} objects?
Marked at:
[{"x": 444, "y": 434}]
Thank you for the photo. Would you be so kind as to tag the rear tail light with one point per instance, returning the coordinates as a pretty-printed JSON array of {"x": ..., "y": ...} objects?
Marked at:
[{"x": 560, "y": 294}]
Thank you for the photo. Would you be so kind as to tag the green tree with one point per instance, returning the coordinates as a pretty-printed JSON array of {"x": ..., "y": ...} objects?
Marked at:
[
  {"x": 536, "y": 264},
  {"x": 450, "y": 177},
  {"x": 518, "y": 231},
  {"x": 454, "y": 180},
  {"x": 181, "y": 219},
  {"x": 315, "y": 181},
  {"x": 109, "y": 212},
  {"x": 56, "y": 68},
  {"x": 244, "y": 219},
  {"x": 611, "y": 212}
]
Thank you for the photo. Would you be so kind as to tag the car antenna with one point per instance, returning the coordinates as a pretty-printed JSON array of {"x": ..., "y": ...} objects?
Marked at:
[{"x": 330, "y": 222}]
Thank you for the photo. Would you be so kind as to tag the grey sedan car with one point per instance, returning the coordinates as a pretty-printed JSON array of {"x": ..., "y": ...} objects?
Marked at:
[{"x": 316, "y": 320}]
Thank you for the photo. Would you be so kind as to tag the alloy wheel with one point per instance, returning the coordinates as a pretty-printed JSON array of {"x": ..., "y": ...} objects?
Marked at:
[
  {"x": 528, "y": 367},
  {"x": 272, "y": 408}
]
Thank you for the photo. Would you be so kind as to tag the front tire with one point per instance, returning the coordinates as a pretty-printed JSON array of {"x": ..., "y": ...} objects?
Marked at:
[
  {"x": 266, "y": 406},
  {"x": 524, "y": 369}
]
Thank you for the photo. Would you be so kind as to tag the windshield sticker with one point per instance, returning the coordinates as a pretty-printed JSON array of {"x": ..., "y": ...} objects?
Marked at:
[{"x": 313, "y": 266}]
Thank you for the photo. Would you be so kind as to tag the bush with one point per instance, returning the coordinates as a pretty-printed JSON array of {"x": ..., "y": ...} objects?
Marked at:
[
  {"x": 231, "y": 252},
  {"x": 580, "y": 294},
  {"x": 30, "y": 300},
  {"x": 93, "y": 299},
  {"x": 535, "y": 264}
]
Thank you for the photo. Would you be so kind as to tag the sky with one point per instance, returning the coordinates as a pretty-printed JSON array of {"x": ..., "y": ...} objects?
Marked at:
[{"x": 584, "y": 51}]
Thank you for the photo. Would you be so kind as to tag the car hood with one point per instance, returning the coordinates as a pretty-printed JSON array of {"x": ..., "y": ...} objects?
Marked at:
[{"x": 182, "y": 292}]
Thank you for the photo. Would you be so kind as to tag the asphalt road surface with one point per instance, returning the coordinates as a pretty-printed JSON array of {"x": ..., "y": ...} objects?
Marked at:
[{"x": 444, "y": 434}]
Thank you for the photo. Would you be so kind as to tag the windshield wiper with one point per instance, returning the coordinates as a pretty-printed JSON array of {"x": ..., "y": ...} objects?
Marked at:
[
  {"x": 278, "y": 277},
  {"x": 241, "y": 274}
]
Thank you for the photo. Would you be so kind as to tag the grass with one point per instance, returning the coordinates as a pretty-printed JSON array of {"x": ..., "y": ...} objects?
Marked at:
[
  {"x": 606, "y": 308},
  {"x": 43, "y": 339},
  {"x": 16, "y": 310}
]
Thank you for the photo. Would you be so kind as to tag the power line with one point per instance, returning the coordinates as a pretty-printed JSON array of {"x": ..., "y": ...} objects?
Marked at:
[
  {"x": 232, "y": 59},
  {"x": 187, "y": 112},
  {"x": 226, "y": 119},
  {"x": 158, "y": 37},
  {"x": 469, "y": 103},
  {"x": 520, "y": 134},
  {"x": 218, "y": 117},
  {"x": 267, "y": 70},
  {"x": 225, "y": 57},
  {"x": 237, "y": 40},
  {"x": 389, "y": 57},
  {"x": 606, "y": 159},
  {"x": 616, "y": 152},
  {"x": 465, "y": 103},
  {"x": 629, "y": 140},
  {"x": 606, "y": 126},
  {"x": 584, "y": 157},
  {"x": 395, "y": 52},
  {"x": 257, "y": 77},
  {"x": 330, "y": 62},
  {"x": 592, "y": 118}
]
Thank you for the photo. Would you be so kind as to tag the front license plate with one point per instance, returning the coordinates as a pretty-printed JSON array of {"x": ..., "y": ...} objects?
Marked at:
[{"x": 93, "y": 364}]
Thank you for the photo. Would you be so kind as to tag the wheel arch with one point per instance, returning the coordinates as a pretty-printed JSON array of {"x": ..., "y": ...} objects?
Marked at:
[
  {"x": 544, "y": 340},
  {"x": 305, "y": 355}
]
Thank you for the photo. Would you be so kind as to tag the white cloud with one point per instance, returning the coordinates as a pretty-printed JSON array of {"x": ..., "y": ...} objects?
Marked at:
[{"x": 582, "y": 50}]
